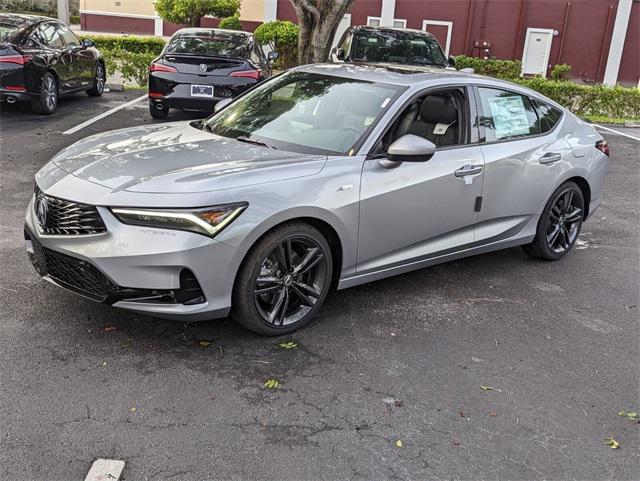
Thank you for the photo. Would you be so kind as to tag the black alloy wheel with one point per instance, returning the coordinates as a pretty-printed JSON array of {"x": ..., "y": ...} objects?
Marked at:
[
  {"x": 284, "y": 280},
  {"x": 98, "y": 82},
  {"x": 559, "y": 224},
  {"x": 47, "y": 102}
]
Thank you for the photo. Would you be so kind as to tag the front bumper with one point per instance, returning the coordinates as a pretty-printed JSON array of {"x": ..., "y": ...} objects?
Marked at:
[{"x": 168, "y": 274}]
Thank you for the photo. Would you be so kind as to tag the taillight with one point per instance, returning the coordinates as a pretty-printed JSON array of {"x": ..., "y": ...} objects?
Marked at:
[
  {"x": 17, "y": 59},
  {"x": 16, "y": 88},
  {"x": 156, "y": 95},
  {"x": 159, "y": 67},
  {"x": 254, "y": 74},
  {"x": 603, "y": 147}
]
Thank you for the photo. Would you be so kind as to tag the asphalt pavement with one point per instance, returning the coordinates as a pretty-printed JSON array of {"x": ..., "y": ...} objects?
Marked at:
[{"x": 387, "y": 382}]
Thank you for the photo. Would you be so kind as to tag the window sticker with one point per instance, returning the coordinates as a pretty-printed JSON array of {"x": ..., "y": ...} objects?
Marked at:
[{"x": 509, "y": 116}]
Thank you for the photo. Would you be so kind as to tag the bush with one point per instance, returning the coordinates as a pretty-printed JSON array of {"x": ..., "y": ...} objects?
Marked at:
[
  {"x": 74, "y": 19},
  {"x": 190, "y": 12},
  {"x": 561, "y": 72},
  {"x": 128, "y": 43},
  {"x": 502, "y": 69},
  {"x": 282, "y": 36},
  {"x": 231, "y": 23}
]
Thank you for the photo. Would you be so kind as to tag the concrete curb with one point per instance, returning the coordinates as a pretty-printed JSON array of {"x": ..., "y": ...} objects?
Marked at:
[
  {"x": 632, "y": 123},
  {"x": 115, "y": 87}
]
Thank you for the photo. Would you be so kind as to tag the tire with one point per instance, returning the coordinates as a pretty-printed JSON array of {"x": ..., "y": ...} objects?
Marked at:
[
  {"x": 156, "y": 113},
  {"x": 47, "y": 102},
  {"x": 98, "y": 81},
  {"x": 559, "y": 224},
  {"x": 288, "y": 301}
]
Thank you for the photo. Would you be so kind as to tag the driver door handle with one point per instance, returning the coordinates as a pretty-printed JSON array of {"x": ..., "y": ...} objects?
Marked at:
[
  {"x": 468, "y": 170},
  {"x": 550, "y": 158}
]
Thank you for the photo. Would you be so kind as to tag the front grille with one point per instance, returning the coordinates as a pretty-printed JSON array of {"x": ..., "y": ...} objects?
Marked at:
[
  {"x": 57, "y": 216},
  {"x": 76, "y": 274}
]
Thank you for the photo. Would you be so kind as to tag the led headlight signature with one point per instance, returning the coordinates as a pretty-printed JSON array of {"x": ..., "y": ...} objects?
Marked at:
[{"x": 207, "y": 221}]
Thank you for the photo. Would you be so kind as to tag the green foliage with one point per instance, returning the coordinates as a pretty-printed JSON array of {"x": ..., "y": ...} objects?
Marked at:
[
  {"x": 231, "y": 23},
  {"x": 191, "y": 11},
  {"x": 502, "y": 69},
  {"x": 589, "y": 100},
  {"x": 135, "y": 66},
  {"x": 74, "y": 19},
  {"x": 282, "y": 36},
  {"x": 129, "y": 43},
  {"x": 561, "y": 72}
]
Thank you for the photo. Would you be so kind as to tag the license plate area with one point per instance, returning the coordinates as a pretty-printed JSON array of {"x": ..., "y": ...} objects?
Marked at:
[{"x": 202, "y": 91}]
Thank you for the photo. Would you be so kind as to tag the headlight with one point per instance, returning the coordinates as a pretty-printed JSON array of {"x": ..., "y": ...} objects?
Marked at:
[{"x": 208, "y": 221}]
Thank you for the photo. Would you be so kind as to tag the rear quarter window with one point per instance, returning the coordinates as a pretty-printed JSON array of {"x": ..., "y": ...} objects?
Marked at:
[{"x": 549, "y": 115}]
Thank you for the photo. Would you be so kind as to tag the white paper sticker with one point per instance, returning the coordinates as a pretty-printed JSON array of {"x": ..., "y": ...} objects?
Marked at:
[{"x": 440, "y": 129}]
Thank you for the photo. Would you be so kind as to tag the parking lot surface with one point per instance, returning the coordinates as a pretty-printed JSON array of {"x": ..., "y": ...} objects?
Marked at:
[{"x": 391, "y": 381}]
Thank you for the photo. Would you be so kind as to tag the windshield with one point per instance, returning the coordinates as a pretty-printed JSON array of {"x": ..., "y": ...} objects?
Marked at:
[
  {"x": 304, "y": 112},
  {"x": 214, "y": 45},
  {"x": 8, "y": 31},
  {"x": 397, "y": 47}
]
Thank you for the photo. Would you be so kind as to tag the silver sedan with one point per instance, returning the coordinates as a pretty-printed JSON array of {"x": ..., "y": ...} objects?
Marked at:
[{"x": 327, "y": 176}]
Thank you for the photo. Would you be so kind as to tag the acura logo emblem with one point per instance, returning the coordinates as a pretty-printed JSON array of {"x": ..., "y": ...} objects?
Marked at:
[
  {"x": 42, "y": 210},
  {"x": 203, "y": 67}
]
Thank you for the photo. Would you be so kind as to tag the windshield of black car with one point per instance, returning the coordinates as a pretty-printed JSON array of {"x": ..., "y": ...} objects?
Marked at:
[
  {"x": 8, "y": 31},
  {"x": 396, "y": 47},
  {"x": 214, "y": 45},
  {"x": 306, "y": 112}
]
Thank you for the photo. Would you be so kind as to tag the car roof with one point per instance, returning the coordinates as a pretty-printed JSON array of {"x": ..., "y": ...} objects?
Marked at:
[
  {"x": 371, "y": 28},
  {"x": 211, "y": 31},
  {"x": 22, "y": 19}
]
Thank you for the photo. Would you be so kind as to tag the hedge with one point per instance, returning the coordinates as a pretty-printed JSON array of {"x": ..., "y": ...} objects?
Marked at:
[
  {"x": 282, "y": 36},
  {"x": 127, "y": 43}
]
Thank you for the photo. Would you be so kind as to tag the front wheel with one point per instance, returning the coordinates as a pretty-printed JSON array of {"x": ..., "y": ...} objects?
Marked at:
[
  {"x": 559, "y": 224},
  {"x": 98, "y": 82},
  {"x": 47, "y": 102},
  {"x": 284, "y": 280}
]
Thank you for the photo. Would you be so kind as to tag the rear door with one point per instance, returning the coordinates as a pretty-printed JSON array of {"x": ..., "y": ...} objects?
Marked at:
[
  {"x": 48, "y": 36},
  {"x": 522, "y": 162}
]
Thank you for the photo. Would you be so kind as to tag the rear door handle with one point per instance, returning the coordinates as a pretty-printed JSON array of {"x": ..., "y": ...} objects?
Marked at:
[
  {"x": 550, "y": 158},
  {"x": 468, "y": 170}
]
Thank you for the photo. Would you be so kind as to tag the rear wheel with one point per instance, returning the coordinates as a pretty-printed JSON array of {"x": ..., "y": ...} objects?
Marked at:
[
  {"x": 98, "y": 81},
  {"x": 47, "y": 102},
  {"x": 158, "y": 113},
  {"x": 284, "y": 280},
  {"x": 559, "y": 224}
]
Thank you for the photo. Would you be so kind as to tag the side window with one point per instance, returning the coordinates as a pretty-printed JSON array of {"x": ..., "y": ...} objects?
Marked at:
[
  {"x": 549, "y": 115},
  {"x": 345, "y": 46},
  {"x": 47, "y": 34},
  {"x": 69, "y": 37},
  {"x": 506, "y": 115}
]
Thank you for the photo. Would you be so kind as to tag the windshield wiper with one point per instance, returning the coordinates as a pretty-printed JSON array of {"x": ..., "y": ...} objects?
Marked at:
[{"x": 243, "y": 138}]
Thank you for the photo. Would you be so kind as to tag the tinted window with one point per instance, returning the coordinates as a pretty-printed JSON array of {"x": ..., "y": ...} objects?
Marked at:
[
  {"x": 305, "y": 112},
  {"x": 549, "y": 115},
  {"x": 69, "y": 37},
  {"x": 507, "y": 115},
  {"x": 8, "y": 31},
  {"x": 396, "y": 47},
  {"x": 213, "y": 44},
  {"x": 47, "y": 34}
]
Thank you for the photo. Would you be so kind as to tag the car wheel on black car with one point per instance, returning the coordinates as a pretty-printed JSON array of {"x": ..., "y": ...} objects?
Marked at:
[
  {"x": 158, "y": 111},
  {"x": 47, "y": 102},
  {"x": 284, "y": 280},
  {"x": 98, "y": 81}
]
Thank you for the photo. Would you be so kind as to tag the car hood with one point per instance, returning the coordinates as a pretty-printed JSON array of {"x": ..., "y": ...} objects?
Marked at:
[{"x": 179, "y": 158}]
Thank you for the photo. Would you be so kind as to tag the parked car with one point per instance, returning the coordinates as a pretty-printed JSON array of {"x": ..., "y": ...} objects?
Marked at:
[
  {"x": 325, "y": 176},
  {"x": 200, "y": 66},
  {"x": 41, "y": 59},
  {"x": 386, "y": 45}
]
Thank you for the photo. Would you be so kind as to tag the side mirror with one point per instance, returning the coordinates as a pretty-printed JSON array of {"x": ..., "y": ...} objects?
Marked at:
[
  {"x": 337, "y": 54},
  {"x": 272, "y": 56},
  {"x": 221, "y": 104},
  {"x": 452, "y": 62},
  {"x": 411, "y": 148},
  {"x": 87, "y": 42},
  {"x": 340, "y": 54}
]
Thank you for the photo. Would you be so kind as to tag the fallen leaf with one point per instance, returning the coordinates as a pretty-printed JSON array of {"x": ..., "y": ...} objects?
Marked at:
[
  {"x": 461, "y": 414},
  {"x": 288, "y": 345},
  {"x": 109, "y": 329},
  {"x": 204, "y": 343},
  {"x": 612, "y": 443},
  {"x": 493, "y": 414},
  {"x": 622, "y": 413},
  {"x": 104, "y": 363},
  {"x": 399, "y": 444},
  {"x": 132, "y": 410},
  {"x": 272, "y": 384},
  {"x": 489, "y": 388}
]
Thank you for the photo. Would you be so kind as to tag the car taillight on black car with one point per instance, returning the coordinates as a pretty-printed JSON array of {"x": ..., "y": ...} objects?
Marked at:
[
  {"x": 603, "y": 147},
  {"x": 159, "y": 67},
  {"x": 17, "y": 59},
  {"x": 254, "y": 74}
]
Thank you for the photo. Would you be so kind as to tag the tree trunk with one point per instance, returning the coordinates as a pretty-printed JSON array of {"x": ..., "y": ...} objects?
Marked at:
[
  {"x": 318, "y": 21},
  {"x": 195, "y": 21}
]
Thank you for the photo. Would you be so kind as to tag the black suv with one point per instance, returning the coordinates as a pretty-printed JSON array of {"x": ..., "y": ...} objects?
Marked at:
[{"x": 386, "y": 45}]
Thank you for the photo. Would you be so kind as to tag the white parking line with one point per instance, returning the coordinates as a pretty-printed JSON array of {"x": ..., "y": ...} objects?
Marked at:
[
  {"x": 81, "y": 126},
  {"x": 105, "y": 470},
  {"x": 616, "y": 132}
]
